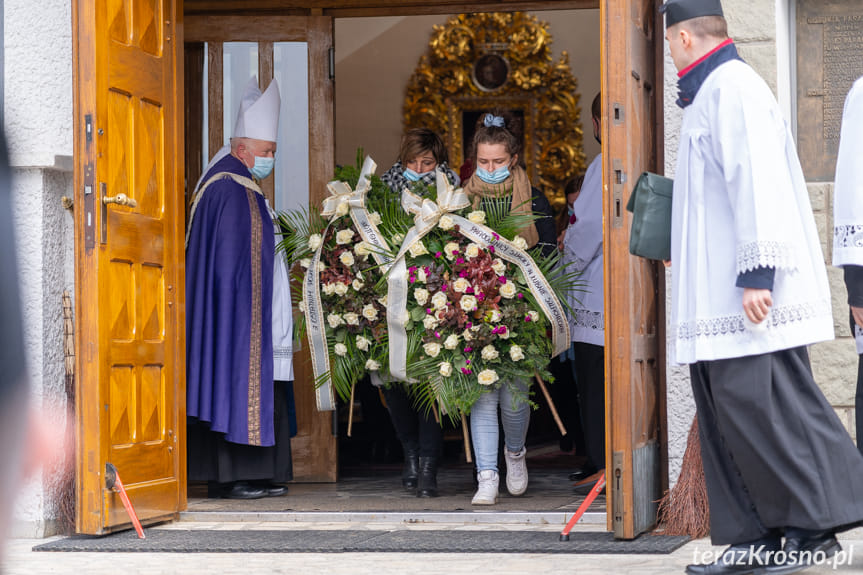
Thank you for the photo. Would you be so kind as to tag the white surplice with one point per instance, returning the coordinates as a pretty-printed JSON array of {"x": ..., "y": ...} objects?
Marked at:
[
  {"x": 741, "y": 202},
  {"x": 848, "y": 190},
  {"x": 582, "y": 249},
  {"x": 283, "y": 316}
]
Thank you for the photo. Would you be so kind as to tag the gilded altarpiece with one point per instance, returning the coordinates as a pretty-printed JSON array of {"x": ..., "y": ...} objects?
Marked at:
[{"x": 476, "y": 62}]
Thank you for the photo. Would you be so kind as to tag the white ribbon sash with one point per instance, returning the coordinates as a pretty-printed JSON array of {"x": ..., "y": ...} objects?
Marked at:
[
  {"x": 340, "y": 192},
  {"x": 426, "y": 216}
]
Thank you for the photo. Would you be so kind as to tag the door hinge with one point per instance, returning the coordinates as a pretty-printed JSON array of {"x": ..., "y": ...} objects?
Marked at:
[
  {"x": 331, "y": 58},
  {"x": 618, "y": 179},
  {"x": 615, "y": 484},
  {"x": 617, "y": 114}
]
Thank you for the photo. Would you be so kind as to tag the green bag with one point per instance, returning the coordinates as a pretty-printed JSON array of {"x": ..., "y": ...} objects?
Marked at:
[{"x": 650, "y": 204}]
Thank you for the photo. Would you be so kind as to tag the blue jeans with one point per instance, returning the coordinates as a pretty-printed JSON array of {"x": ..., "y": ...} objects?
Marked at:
[{"x": 484, "y": 427}]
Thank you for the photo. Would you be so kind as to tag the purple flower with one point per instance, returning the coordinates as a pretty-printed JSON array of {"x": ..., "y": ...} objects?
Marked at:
[
  {"x": 495, "y": 236},
  {"x": 412, "y": 269},
  {"x": 527, "y": 318},
  {"x": 426, "y": 269},
  {"x": 428, "y": 310},
  {"x": 469, "y": 325},
  {"x": 444, "y": 287},
  {"x": 466, "y": 371},
  {"x": 467, "y": 361},
  {"x": 412, "y": 279},
  {"x": 469, "y": 289},
  {"x": 438, "y": 254},
  {"x": 520, "y": 295},
  {"x": 462, "y": 274},
  {"x": 480, "y": 296},
  {"x": 437, "y": 334},
  {"x": 501, "y": 279},
  {"x": 491, "y": 249},
  {"x": 468, "y": 349},
  {"x": 459, "y": 260}
]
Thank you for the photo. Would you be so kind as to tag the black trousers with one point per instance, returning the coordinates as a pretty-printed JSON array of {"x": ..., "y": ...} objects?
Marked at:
[
  {"x": 211, "y": 458},
  {"x": 416, "y": 429},
  {"x": 858, "y": 404},
  {"x": 590, "y": 377},
  {"x": 775, "y": 454}
]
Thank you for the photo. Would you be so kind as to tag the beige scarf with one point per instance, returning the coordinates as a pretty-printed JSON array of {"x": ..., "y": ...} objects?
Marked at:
[{"x": 518, "y": 184}]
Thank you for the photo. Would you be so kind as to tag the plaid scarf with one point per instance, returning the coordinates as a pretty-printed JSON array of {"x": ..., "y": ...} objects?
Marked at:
[{"x": 396, "y": 180}]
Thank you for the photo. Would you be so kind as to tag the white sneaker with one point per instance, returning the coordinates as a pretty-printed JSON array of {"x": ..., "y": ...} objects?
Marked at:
[
  {"x": 516, "y": 471},
  {"x": 486, "y": 494}
]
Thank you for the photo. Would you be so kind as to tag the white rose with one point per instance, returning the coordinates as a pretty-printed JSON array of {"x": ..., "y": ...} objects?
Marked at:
[
  {"x": 335, "y": 320},
  {"x": 351, "y": 318},
  {"x": 370, "y": 312},
  {"x": 328, "y": 289},
  {"x": 398, "y": 238},
  {"x": 460, "y": 285},
  {"x": 451, "y": 341},
  {"x": 421, "y": 295},
  {"x": 383, "y": 301},
  {"x": 362, "y": 249},
  {"x": 468, "y": 303},
  {"x": 418, "y": 249},
  {"x": 520, "y": 242},
  {"x": 341, "y": 349},
  {"x": 534, "y": 316},
  {"x": 446, "y": 223},
  {"x": 315, "y": 241},
  {"x": 450, "y": 250},
  {"x": 306, "y": 262},
  {"x": 477, "y": 217},
  {"x": 432, "y": 349},
  {"x": 489, "y": 353},
  {"x": 508, "y": 290},
  {"x": 445, "y": 369},
  {"x": 341, "y": 289},
  {"x": 344, "y": 237},
  {"x": 321, "y": 266},
  {"x": 302, "y": 305},
  {"x": 439, "y": 300},
  {"x": 467, "y": 335},
  {"x": 372, "y": 365},
  {"x": 430, "y": 322},
  {"x": 495, "y": 316},
  {"x": 357, "y": 285},
  {"x": 375, "y": 218},
  {"x": 498, "y": 266},
  {"x": 471, "y": 251},
  {"x": 487, "y": 377},
  {"x": 363, "y": 343},
  {"x": 516, "y": 353},
  {"x": 422, "y": 276},
  {"x": 342, "y": 209}
]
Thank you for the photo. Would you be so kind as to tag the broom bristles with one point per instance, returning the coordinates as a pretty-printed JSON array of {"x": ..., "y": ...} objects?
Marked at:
[{"x": 684, "y": 509}]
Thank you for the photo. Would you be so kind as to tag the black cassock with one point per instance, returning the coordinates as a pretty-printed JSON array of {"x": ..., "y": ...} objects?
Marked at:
[{"x": 775, "y": 453}]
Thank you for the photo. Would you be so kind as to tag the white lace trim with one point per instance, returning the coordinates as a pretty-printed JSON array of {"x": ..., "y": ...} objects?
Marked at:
[
  {"x": 848, "y": 236},
  {"x": 735, "y": 324},
  {"x": 765, "y": 255},
  {"x": 588, "y": 319}
]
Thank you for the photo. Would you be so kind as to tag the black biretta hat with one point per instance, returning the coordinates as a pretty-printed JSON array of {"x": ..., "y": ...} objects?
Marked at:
[{"x": 679, "y": 10}]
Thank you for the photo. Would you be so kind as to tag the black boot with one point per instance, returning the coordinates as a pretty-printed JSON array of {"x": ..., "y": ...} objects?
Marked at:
[
  {"x": 741, "y": 559},
  {"x": 410, "y": 471},
  {"x": 428, "y": 477}
]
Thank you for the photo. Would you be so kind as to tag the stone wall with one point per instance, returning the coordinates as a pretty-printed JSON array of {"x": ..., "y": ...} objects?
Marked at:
[{"x": 39, "y": 128}]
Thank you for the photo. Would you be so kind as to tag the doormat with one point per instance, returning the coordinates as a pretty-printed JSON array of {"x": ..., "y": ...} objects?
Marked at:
[{"x": 252, "y": 541}]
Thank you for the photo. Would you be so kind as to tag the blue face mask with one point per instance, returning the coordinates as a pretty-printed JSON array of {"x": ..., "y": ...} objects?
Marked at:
[
  {"x": 495, "y": 177},
  {"x": 262, "y": 167},
  {"x": 413, "y": 176},
  {"x": 569, "y": 210}
]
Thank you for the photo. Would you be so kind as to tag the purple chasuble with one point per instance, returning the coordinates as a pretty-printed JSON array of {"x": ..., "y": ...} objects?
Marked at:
[{"x": 229, "y": 295}]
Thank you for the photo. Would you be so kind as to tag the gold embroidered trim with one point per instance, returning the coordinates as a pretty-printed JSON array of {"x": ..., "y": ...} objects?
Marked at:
[{"x": 254, "y": 408}]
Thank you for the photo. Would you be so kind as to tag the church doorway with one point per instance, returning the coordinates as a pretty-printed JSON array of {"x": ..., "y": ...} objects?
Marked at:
[{"x": 135, "y": 389}]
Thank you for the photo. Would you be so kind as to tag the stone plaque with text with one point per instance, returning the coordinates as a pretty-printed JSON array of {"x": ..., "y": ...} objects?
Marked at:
[{"x": 829, "y": 60}]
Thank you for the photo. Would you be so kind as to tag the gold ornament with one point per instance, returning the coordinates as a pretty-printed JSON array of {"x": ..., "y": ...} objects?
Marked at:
[{"x": 480, "y": 61}]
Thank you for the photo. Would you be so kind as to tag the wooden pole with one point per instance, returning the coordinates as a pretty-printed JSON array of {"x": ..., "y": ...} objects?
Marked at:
[
  {"x": 550, "y": 404},
  {"x": 436, "y": 414},
  {"x": 351, "y": 409},
  {"x": 464, "y": 433}
]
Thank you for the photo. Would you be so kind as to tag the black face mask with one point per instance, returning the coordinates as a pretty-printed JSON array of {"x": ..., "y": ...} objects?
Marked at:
[{"x": 598, "y": 141}]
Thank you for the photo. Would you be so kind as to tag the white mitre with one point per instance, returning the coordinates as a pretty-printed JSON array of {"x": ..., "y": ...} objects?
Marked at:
[{"x": 258, "y": 116}]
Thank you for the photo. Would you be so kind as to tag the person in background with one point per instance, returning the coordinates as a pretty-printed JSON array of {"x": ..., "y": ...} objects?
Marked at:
[
  {"x": 421, "y": 153},
  {"x": 239, "y": 326},
  {"x": 496, "y": 148},
  {"x": 583, "y": 252},
  {"x": 848, "y": 226}
]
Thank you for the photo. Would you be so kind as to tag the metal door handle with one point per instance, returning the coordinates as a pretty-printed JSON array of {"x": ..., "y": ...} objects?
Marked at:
[{"x": 120, "y": 200}]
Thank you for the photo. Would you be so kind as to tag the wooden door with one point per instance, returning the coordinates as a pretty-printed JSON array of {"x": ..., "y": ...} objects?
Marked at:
[
  {"x": 314, "y": 448},
  {"x": 632, "y": 108},
  {"x": 129, "y": 291}
]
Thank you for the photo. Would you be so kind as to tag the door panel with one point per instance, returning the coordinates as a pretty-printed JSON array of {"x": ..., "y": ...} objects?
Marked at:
[
  {"x": 129, "y": 285},
  {"x": 631, "y": 29}
]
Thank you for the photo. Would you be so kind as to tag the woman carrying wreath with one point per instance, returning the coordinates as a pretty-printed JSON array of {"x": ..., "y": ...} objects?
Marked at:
[
  {"x": 496, "y": 147},
  {"x": 420, "y": 153}
]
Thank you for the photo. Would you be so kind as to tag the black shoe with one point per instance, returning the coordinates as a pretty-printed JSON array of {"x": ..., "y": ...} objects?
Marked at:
[
  {"x": 243, "y": 490},
  {"x": 427, "y": 477},
  {"x": 582, "y": 473},
  {"x": 742, "y": 559},
  {"x": 802, "y": 548},
  {"x": 275, "y": 490},
  {"x": 411, "y": 470}
]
